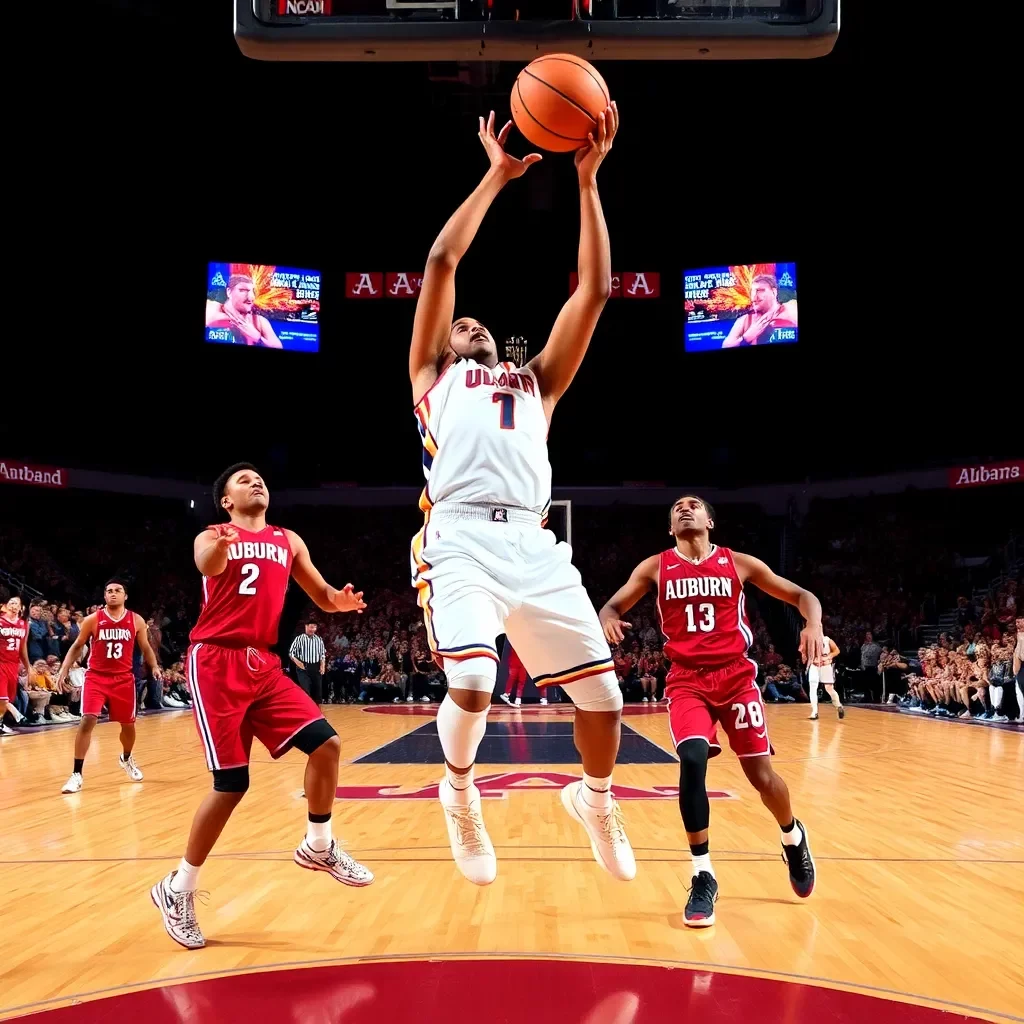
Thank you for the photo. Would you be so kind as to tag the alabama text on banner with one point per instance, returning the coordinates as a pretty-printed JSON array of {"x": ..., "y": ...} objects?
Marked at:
[
  {"x": 993, "y": 473},
  {"x": 14, "y": 472}
]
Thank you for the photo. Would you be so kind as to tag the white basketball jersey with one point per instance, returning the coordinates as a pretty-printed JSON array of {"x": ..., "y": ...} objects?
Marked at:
[{"x": 485, "y": 438}]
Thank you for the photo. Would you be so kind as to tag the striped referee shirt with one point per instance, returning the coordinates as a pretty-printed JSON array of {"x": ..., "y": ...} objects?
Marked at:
[{"x": 308, "y": 649}]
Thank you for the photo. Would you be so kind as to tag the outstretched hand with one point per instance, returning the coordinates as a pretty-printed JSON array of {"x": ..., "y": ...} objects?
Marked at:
[
  {"x": 589, "y": 158},
  {"x": 348, "y": 599},
  {"x": 507, "y": 166},
  {"x": 812, "y": 644}
]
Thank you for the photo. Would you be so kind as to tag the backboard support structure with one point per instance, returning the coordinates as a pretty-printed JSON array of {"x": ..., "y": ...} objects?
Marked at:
[
  {"x": 560, "y": 520},
  {"x": 497, "y": 30}
]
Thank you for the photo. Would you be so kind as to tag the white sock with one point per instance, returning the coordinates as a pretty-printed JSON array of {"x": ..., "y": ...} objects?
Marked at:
[
  {"x": 1020, "y": 702},
  {"x": 597, "y": 793},
  {"x": 702, "y": 863},
  {"x": 318, "y": 835},
  {"x": 831, "y": 691},
  {"x": 186, "y": 878},
  {"x": 461, "y": 783},
  {"x": 793, "y": 837},
  {"x": 812, "y": 692},
  {"x": 460, "y": 733}
]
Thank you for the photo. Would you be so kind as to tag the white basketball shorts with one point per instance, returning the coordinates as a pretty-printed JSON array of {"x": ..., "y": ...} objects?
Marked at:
[
  {"x": 482, "y": 571},
  {"x": 820, "y": 674}
]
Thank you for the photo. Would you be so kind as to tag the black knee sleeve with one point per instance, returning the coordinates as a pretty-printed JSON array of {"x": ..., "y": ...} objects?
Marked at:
[
  {"x": 313, "y": 736},
  {"x": 693, "y": 791},
  {"x": 231, "y": 780}
]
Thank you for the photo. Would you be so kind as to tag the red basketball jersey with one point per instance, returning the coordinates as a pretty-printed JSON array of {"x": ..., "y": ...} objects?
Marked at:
[
  {"x": 12, "y": 636},
  {"x": 702, "y": 609},
  {"x": 113, "y": 644},
  {"x": 242, "y": 606}
]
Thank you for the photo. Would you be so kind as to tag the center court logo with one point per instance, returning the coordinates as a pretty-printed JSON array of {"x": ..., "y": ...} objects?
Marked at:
[{"x": 498, "y": 787}]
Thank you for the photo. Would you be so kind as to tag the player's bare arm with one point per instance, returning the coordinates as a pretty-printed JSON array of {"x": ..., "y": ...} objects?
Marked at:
[
  {"x": 142, "y": 638},
  {"x": 269, "y": 338},
  {"x": 210, "y": 549},
  {"x": 556, "y": 364},
  {"x": 642, "y": 581},
  {"x": 735, "y": 335},
  {"x": 435, "y": 307},
  {"x": 85, "y": 630},
  {"x": 320, "y": 592},
  {"x": 753, "y": 570}
]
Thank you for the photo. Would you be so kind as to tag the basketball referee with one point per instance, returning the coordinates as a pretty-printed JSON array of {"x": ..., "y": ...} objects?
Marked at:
[{"x": 309, "y": 655}]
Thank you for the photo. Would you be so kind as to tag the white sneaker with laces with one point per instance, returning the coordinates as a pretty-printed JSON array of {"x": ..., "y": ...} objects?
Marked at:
[
  {"x": 74, "y": 783},
  {"x": 467, "y": 834},
  {"x": 335, "y": 861},
  {"x": 178, "y": 909},
  {"x": 607, "y": 832},
  {"x": 506, "y": 698},
  {"x": 130, "y": 768}
]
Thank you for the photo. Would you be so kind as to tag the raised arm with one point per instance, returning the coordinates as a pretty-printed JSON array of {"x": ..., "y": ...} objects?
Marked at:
[
  {"x": 643, "y": 580},
  {"x": 753, "y": 570},
  {"x": 210, "y": 548},
  {"x": 556, "y": 364},
  {"x": 435, "y": 306},
  {"x": 75, "y": 650},
  {"x": 322, "y": 594}
]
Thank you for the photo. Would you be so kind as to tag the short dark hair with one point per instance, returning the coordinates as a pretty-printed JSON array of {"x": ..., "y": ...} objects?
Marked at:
[
  {"x": 708, "y": 507},
  {"x": 222, "y": 481},
  {"x": 116, "y": 579}
]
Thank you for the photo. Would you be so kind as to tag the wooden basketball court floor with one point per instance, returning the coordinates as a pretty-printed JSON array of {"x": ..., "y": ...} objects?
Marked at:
[{"x": 917, "y": 827}]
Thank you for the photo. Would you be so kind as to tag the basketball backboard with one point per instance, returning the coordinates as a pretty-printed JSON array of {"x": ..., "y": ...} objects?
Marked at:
[{"x": 519, "y": 30}]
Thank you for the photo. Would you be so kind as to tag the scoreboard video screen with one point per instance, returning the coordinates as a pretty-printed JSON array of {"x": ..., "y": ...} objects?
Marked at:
[
  {"x": 263, "y": 306},
  {"x": 740, "y": 306}
]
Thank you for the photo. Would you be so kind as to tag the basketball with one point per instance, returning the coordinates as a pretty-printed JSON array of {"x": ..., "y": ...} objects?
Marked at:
[{"x": 556, "y": 101}]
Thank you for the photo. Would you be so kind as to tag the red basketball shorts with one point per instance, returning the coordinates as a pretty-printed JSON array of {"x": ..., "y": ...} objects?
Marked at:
[
  {"x": 700, "y": 699},
  {"x": 116, "y": 691},
  {"x": 9, "y": 679},
  {"x": 239, "y": 694}
]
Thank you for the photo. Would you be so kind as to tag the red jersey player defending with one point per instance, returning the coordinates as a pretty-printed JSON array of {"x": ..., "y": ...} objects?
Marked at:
[
  {"x": 239, "y": 689},
  {"x": 13, "y": 652},
  {"x": 703, "y": 617},
  {"x": 109, "y": 678}
]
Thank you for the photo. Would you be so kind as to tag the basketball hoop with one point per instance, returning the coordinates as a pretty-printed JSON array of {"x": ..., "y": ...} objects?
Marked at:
[{"x": 515, "y": 350}]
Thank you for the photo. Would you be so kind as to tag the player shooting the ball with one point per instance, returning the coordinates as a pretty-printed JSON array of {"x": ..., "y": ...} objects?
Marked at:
[{"x": 482, "y": 563}]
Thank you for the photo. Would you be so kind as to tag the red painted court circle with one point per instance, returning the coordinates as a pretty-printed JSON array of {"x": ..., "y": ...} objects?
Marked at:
[{"x": 515, "y": 991}]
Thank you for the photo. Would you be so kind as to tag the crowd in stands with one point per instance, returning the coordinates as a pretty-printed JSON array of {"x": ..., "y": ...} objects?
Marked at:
[
  {"x": 969, "y": 671},
  {"x": 878, "y": 582}
]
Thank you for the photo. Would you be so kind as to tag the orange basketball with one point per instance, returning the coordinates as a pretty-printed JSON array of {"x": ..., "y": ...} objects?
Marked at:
[{"x": 556, "y": 101}]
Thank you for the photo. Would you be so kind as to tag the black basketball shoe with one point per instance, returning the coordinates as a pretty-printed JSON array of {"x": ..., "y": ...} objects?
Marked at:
[
  {"x": 700, "y": 907},
  {"x": 801, "y": 864}
]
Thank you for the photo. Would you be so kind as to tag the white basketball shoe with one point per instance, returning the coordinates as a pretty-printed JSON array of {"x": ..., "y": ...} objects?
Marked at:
[
  {"x": 471, "y": 845},
  {"x": 607, "y": 832}
]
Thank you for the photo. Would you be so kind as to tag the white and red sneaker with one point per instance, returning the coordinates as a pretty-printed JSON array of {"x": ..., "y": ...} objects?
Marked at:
[
  {"x": 178, "y": 909},
  {"x": 607, "y": 832},
  {"x": 74, "y": 783},
  {"x": 130, "y": 768},
  {"x": 335, "y": 861}
]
